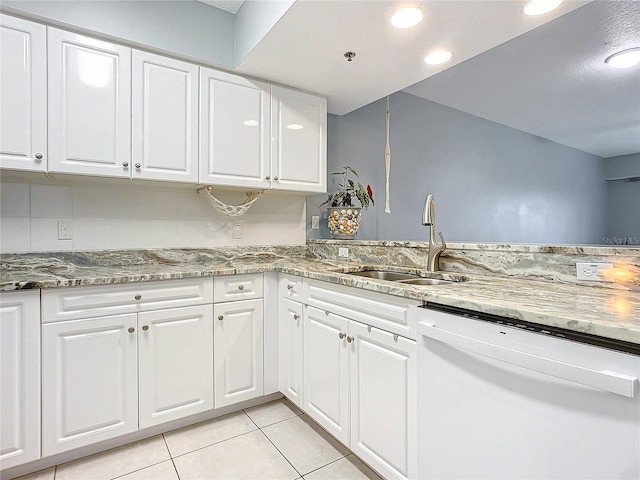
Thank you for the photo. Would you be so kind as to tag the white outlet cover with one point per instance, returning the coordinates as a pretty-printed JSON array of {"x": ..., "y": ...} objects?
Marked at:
[
  {"x": 343, "y": 252},
  {"x": 237, "y": 230},
  {"x": 593, "y": 272},
  {"x": 65, "y": 230}
]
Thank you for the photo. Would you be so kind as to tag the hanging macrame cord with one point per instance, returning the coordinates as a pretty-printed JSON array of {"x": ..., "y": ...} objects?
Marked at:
[
  {"x": 387, "y": 161},
  {"x": 231, "y": 210}
]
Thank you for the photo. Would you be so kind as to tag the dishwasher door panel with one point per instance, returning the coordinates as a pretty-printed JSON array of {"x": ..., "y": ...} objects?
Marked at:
[{"x": 479, "y": 417}]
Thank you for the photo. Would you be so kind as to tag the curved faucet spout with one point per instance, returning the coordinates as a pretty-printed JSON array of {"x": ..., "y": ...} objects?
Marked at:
[
  {"x": 429, "y": 211},
  {"x": 435, "y": 247}
]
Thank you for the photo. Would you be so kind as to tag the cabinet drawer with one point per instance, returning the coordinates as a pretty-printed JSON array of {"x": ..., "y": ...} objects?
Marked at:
[
  {"x": 390, "y": 313},
  {"x": 237, "y": 287},
  {"x": 82, "y": 302},
  {"x": 293, "y": 288}
]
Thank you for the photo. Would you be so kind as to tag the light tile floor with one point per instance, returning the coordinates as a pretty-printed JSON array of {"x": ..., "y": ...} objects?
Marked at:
[{"x": 270, "y": 441}]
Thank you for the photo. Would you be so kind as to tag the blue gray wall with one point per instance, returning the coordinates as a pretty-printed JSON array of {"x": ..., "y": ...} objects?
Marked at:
[
  {"x": 491, "y": 183},
  {"x": 185, "y": 28}
]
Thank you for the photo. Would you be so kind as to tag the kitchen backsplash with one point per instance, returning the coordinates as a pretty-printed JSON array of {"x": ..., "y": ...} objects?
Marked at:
[
  {"x": 534, "y": 262},
  {"x": 138, "y": 216}
]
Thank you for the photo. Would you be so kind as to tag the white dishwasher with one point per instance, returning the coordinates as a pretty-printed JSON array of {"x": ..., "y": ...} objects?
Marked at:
[{"x": 504, "y": 399}]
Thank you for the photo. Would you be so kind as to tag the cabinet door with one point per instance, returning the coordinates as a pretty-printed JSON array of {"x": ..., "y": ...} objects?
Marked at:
[
  {"x": 23, "y": 94},
  {"x": 383, "y": 400},
  {"x": 290, "y": 356},
  {"x": 164, "y": 118},
  {"x": 238, "y": 351},
  {"x": 234, "y": 130},
  {"x": 175, "y": 363},
  {"x": 19, "y": 377},
  {"x": 89, "y": 381},
  {"x": 89, "y": 105},
  {"x": 326, "y": 371},
  {"x": 299, "y": 146}
]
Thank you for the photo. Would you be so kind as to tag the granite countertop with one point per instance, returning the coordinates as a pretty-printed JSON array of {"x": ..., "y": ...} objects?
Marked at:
[{"x": 613, "y": 314}]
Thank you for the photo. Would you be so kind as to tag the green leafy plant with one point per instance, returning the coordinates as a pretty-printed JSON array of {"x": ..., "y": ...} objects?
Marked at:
[{"x": 350, "y": 191}]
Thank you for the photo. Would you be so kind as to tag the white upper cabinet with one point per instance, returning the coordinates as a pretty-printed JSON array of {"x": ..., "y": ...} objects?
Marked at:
[
  {"x": 79, "y": 105},
  {"x": 164, "y": 118},
  {"x": 299, "y": 141},
  {"x": 234, "y": 130},
  {"x": 23, "y": 94},
  {"x": 89, "y": 105}
]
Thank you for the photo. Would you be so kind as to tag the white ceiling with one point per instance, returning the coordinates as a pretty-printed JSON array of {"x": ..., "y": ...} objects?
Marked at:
[
  {"x": 553, "y": 82},
  {"x": 550, "y": 82},
  {"x": 305, "y": 49}
]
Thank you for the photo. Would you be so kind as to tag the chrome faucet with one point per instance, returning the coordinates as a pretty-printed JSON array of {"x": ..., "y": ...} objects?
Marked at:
[{"x": 435, "y": 248}]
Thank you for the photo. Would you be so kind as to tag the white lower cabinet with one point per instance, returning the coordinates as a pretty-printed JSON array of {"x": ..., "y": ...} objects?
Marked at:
[
  {"x": 359, "y": 384},
  {"x": 383, "y": 382},
  {"x": 90, "y": 381},
  {"x": 175, "y": 363},
  {"x": 20, "y": 377},
  {"x": 107, "y": 375},
  {"x": 104, "y": 377},
  {"x": 326, "y": 371},
  {"x": 290, "y": 341},
  {"x": 238, "y": 351}
]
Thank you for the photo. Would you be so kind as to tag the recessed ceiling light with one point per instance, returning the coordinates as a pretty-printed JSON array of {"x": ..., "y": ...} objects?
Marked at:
[
  {"x": 406, "y": 17},
  {"x": 438, "y": 57},
  {"x": 295, "y": 126},
  {"x": 251, "y": 123},
  {"x": 538, "y": 7},
  {"x": 625, "y": 58}
]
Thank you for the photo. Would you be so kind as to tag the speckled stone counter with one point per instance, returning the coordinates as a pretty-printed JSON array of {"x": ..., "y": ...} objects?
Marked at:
[{"x": 606, "y": 312}]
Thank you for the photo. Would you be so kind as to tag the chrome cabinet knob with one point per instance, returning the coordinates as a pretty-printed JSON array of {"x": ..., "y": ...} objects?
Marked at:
[
  {"x": 289, "y": 287},
  {"x": 342, "y": 335},
  {"x": 138, "y": 297},
  {"x": 145, "y": 327},
  {"x": 267, "y": 177},
  {"x": 350, "y": 339},
  {"x": 131, "y": 330},
  {"x": 275, "y": 178},
  {"x": 296, "y": 317},
  {"x": 38, "y": 156},
  {"x": 241, "y": 287},
  {"x": 125, "y": 164},
  {"x": 138, "y": 165},
  {"x": 221, "y": 317}
]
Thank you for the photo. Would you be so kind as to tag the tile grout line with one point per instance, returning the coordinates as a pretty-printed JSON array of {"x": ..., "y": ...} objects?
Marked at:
[
  {"x": 212, "y": 444},
  {"x": 278, "y": 450},
  {"x": 171, "y": 457},
  {"x": 331, "y": 462}
]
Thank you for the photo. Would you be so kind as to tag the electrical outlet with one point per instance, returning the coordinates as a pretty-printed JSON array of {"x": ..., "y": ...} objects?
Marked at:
[
  {"x": 315, "y": 222},
  {"x": 64, "y": 230},
  {"x": 237, "y": 230},
  {"x": 594, "y": 272},
  {"x": 343, "y": 252}
]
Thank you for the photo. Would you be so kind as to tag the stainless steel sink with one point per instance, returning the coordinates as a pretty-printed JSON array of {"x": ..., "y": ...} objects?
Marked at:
[
  {"x": 428, "y": 281},
  {"x": 386, "y": 275},
  {"x": 410, "y": 278}
]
